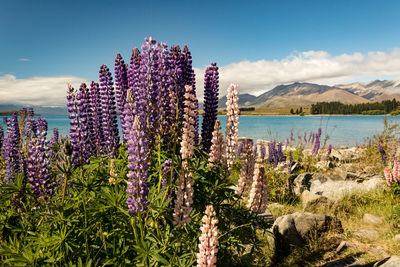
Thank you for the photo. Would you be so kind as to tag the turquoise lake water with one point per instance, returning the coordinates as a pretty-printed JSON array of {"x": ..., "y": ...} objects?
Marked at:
[{"x": 342, "y": 130}]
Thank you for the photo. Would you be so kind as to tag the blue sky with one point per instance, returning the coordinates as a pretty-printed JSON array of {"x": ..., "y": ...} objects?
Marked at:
[{"x": 73, "y": 38}]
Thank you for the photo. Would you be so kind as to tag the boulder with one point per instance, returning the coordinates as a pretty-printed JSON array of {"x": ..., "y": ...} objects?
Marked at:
[
  {"x": 333, "y": 186},
  {"x": 393, "y": 261},
  {"x": 347, "y": 154},
  {"x": 346, "y": 262},
  {"x": 372, "y": 219},
  {"x": 366, "y": 233},
  {"x": 295, "y": 229}
]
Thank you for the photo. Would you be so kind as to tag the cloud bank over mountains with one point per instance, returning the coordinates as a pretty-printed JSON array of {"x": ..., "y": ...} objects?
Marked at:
[
  {"x": 311, "y": 66},
  {"x": 253, "y": 77}
]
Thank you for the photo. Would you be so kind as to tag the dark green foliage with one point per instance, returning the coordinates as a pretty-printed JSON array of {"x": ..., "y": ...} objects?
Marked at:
[
  {"x": 87, "y": 222},
  {"x": 384, "y": 107}
]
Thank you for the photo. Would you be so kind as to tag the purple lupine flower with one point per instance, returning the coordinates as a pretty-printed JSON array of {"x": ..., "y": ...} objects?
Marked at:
[
  {"x": 271, "y": 152},
  {"x": 121, "y": 88},
  {"x": 150, "y": 68},
  {"x": 86, "y": 122},
  {"x": 56, "y": 137},
  {"x": 319, "y": 132},
  {"x": 313, "y": 138},
  {"x": 31, "y": 127},
  {"x": 211, "y": 91},
  {"x": 239, "y": 149},
  {"x": 291, "y": 135},
  {"x": 78, "y": 126},
  {"x": 176, "y": 61},
  {"x": 1, "y": 136},
  {"x": 189, "y": 78},
  {"x": 279, "y": 153},
  {"x": 96, "y": 115},
  {"x": 263, "y": 151},
  {"x": 383, "y": 153},
  {"x": 286, "y": 143},
  {"x": 138, "y": 159},
  {"x": 316, "y": 145},
  {"x": 38, "y": 166},
  {"x": 329, "y": 150},
  {"x": 109, "y": 114},
  {"x": 11, "y": 151},
  {"x": 167, "y": 88},
  {"x": 305, "y": 138},
  {"x": 41, "y": 126}
]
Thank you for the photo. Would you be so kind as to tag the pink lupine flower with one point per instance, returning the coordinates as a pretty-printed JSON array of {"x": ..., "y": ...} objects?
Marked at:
[
  {"x": 246, "y": 171},
  {"x": 184, "y": 194},
  {"x": 259, "y": 190},
  {"x": 208, "y": 240},
  {"x": 396, "y": 171},
  {"x": 388, "y": 176},
  {"x": 232, "y": 123},
  {"x": 216, "y": 153}
]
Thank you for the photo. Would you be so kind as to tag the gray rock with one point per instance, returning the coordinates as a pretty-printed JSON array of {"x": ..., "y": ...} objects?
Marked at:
[
  {"x": 397, "y": 238},
  {"x": 345, "y": 245},
  {"x": 347, "y": 262},
  {"x": 372, "y": 219},
  {"x": 393, "y": 261},
  {"x": 367, "y": 234},
  {"x": 347, "y": 154},
  {"x": 335, "y": 187},
  {"x": 295, "y": 229}
]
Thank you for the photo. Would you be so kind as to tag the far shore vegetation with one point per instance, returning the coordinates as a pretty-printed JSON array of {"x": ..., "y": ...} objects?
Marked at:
[{"x": 387, "y": 107}]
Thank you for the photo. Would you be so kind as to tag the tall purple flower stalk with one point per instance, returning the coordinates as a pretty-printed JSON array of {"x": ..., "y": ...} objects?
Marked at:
[
  {"x": 383, "y": 153},
  {"x": 109, "y": 114},
  {"x": 176, "y": 61},
  {"x": 96, "y": 116},
  {"x": 211, "y": 90},
  {"x": 151, "y": 82},
  {"x": 77, "y": 128},
  {"x": 121, "y": 88},
  {"x": 38, "y": 166},
  {"x": 317, "y": 143},
  {"x": 138, "y": 164},
  {"x": 190, "y": 79},
  {"x": 1, "y": 137},
  {"x": 11, "y": 150}
]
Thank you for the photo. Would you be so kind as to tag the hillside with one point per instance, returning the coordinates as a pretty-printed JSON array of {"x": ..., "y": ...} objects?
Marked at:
[{"x": 304, "y": 94}]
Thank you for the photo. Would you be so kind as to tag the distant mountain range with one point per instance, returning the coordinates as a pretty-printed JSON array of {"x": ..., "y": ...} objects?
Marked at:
[
  {"x": 41, "y": 110},
  {"x": 304, "y": 94},
  {"x": 291, "y": 95}
]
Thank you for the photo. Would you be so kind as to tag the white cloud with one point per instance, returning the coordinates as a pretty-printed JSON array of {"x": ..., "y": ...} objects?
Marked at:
[
  {"x": 253, "y": 77},
  {"x": 46, "y": 91},
  {"x": 23, "y": 59},
  {"x": 310, "y": 66}
]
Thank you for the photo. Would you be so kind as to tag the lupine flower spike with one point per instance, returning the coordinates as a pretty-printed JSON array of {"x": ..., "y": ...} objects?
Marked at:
[
  {"x": 259, "y": 190},
  {"x": 232, "y": 123},
  {"x": 246, "y": 171},
  {"x": 184, "y": 194},
  {"x": 207, "y": 256},
  {"x": 217, "y": 147}
]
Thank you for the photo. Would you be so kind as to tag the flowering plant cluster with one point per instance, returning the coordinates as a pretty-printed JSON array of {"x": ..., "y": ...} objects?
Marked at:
[{"x": 137, "y": 199}]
